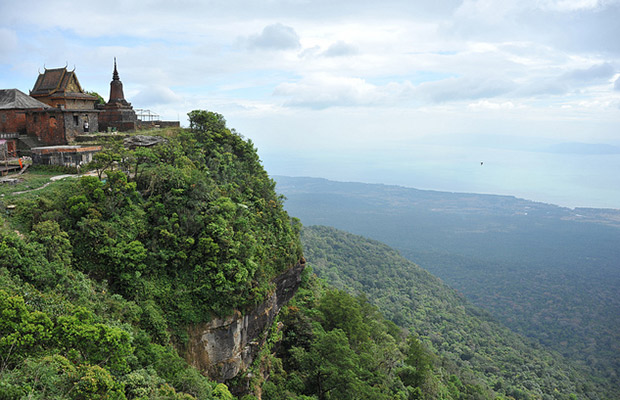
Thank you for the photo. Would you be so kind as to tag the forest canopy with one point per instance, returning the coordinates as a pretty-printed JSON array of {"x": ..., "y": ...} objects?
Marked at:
[{"x": 100, "y": 275}]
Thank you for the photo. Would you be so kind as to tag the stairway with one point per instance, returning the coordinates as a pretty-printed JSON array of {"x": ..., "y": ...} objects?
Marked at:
[{"x": 25, "y": 143}]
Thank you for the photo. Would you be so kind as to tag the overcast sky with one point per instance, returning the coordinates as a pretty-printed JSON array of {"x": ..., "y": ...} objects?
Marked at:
[{"x": 354, "y": 90}]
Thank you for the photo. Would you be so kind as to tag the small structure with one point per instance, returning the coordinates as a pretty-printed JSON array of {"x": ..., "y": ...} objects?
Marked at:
[
  {"x": 117, "y": 113},
  {"x": 70, "y": 156},
  {"x": 151, "y": 120}
]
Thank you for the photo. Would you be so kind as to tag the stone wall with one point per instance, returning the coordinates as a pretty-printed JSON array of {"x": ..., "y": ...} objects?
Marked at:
[
  {"x": 12, "y": 121},
  {"x": 47, "y": 126},
  {"x": 119, "y": 119},
  {"x": 75, "y": 123},
  {"x": 158, "y": 124}
]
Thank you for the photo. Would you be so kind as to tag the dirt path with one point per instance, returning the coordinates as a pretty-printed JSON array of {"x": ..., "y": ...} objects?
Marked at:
[
  {"x": 52, "y": 180},
  {"x": 30, "y": 190}
]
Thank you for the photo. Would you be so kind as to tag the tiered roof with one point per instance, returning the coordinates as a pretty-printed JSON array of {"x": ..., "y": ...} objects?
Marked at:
[{"x": 58, "y": 82}]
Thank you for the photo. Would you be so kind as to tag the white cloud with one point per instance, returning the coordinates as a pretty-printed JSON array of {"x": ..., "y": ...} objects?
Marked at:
[
  {"x": 340, "y": 49},
  {"x": 8, "y": 43},
  {"x": 274, "y": 37},
  {"x": 573, "y": 5},
  {"x": 465, "y": 88},
  {"x": 324, "y": 91},
  {"x": 596, "y": 72},
  {"x": 482, "y": 105},
  {"x": 155, "y": 95}
]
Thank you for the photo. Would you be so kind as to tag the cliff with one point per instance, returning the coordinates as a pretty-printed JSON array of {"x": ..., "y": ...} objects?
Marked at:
[{"x": 223, "y": 347}]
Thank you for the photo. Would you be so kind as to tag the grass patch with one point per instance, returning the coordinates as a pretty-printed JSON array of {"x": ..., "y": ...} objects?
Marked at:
[{"x": 32, "y": 180}]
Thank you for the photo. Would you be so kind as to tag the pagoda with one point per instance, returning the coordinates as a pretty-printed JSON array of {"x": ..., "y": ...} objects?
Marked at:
[{"x": 118, "y": 114}]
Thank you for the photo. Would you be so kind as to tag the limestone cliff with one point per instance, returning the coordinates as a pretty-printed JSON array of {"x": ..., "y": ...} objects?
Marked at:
[{"x": 223, "y": 347}]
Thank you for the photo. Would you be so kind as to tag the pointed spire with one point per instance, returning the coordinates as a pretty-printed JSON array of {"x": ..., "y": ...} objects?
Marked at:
[
  {"x": 116, "y": 88},
  {"x": 115, "y": 74}
]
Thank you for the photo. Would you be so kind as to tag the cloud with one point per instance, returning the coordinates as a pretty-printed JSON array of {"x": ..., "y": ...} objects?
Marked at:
[
  {"x": 582, "y": 148},
  {"x": 274, "y": 37},
  {"x": 595, "y": 72},
  {"x": 617, "y": 84},
  {"x": 324, "y": 91},
  {"x": 464, "y": 88},
  {"x": 572, "y": 5},
  {"x": 575, "y": 80},
  {"x": 8, "y": 43},
  {"x": 340, "y": 49},
  {"x": 155, "y": 95},
  {"x": 482, "y": 105}
]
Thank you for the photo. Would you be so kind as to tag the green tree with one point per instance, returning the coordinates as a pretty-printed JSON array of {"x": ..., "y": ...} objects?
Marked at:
[
  {"x": 100, "y": 100},
  {"x": 22, "y": 332},
  {"x": 329, "y": 366}
]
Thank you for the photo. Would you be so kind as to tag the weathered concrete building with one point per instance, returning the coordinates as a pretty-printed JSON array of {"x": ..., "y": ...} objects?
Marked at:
[
  {"x": 70, "y": 156},
  {"x": 117, "y": 113}
]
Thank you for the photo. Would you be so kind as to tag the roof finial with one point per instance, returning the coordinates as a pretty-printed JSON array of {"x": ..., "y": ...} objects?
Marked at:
[{"x": 115, "y": 74}]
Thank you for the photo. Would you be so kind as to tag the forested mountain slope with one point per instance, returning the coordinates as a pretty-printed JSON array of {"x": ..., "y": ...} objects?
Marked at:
[
  {"x": 101, "y": 277},
  {"x": 329, "y": 344},
  {"x": 547, "y": 272},
  {"x": 443, "y": 319}
]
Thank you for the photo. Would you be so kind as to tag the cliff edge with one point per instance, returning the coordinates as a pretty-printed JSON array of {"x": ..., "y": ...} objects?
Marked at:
[{"x": 223, "y": 347}]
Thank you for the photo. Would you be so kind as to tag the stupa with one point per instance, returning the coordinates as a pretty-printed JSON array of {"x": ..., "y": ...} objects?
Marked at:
[{"x": 118, "y": 114}]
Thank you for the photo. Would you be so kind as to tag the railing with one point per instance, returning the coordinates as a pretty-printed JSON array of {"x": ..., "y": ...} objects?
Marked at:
[{"x": 146, "y": 115}]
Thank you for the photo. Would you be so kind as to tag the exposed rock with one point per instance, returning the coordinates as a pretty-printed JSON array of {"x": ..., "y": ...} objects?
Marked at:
[
  {"x": 131, "y": 142},
  {"x": 224, "y": 347}
]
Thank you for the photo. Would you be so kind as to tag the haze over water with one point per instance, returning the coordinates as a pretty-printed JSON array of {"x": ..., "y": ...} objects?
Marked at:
[{"x": 569, "y": 180}]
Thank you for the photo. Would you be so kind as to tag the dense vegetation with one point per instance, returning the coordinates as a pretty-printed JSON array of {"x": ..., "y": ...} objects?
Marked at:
[
  {"x": 100, "y": 275},
  {"x": 547, "y": 272},
  {"x": 443, "y": 320},
  {"x": 333, "y": 345}
]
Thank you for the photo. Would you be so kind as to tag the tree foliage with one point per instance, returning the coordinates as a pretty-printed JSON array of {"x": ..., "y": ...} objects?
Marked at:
[
  {"x": 113, "y": 267},
  {"x": 466, "y": 338}
]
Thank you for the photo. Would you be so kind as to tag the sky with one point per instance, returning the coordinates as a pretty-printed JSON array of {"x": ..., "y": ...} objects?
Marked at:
[{"x": 516, "y": 97}]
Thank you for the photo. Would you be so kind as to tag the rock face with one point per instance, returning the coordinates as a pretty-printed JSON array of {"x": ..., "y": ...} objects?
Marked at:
[
  {"x": 131, "y": 142},
  {"x": 224, "y": 347}
]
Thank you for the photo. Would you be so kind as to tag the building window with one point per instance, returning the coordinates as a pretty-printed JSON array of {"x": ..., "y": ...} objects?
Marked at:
[{"x": 76, "y": 120}]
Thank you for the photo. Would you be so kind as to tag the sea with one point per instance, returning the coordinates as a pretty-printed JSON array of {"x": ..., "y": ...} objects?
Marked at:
[{"x": 565, "y": 179}]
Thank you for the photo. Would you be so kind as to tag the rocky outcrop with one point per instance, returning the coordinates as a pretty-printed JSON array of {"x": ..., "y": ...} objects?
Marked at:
[
  {"x": 131, "y": 142},
  {"x": 224, "y": 347}
]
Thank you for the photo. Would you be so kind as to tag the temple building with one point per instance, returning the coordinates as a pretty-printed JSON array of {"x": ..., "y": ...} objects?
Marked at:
[
  {"x": 117, "y": 113},
  {"x": 58, "y": 110},
  {"x": 71, "y": 113}
]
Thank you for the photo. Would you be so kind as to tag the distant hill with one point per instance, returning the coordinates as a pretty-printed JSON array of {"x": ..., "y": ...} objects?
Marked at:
[
  {"x": 548, "y": 272},
  {"x": 443, "y": 319}
]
